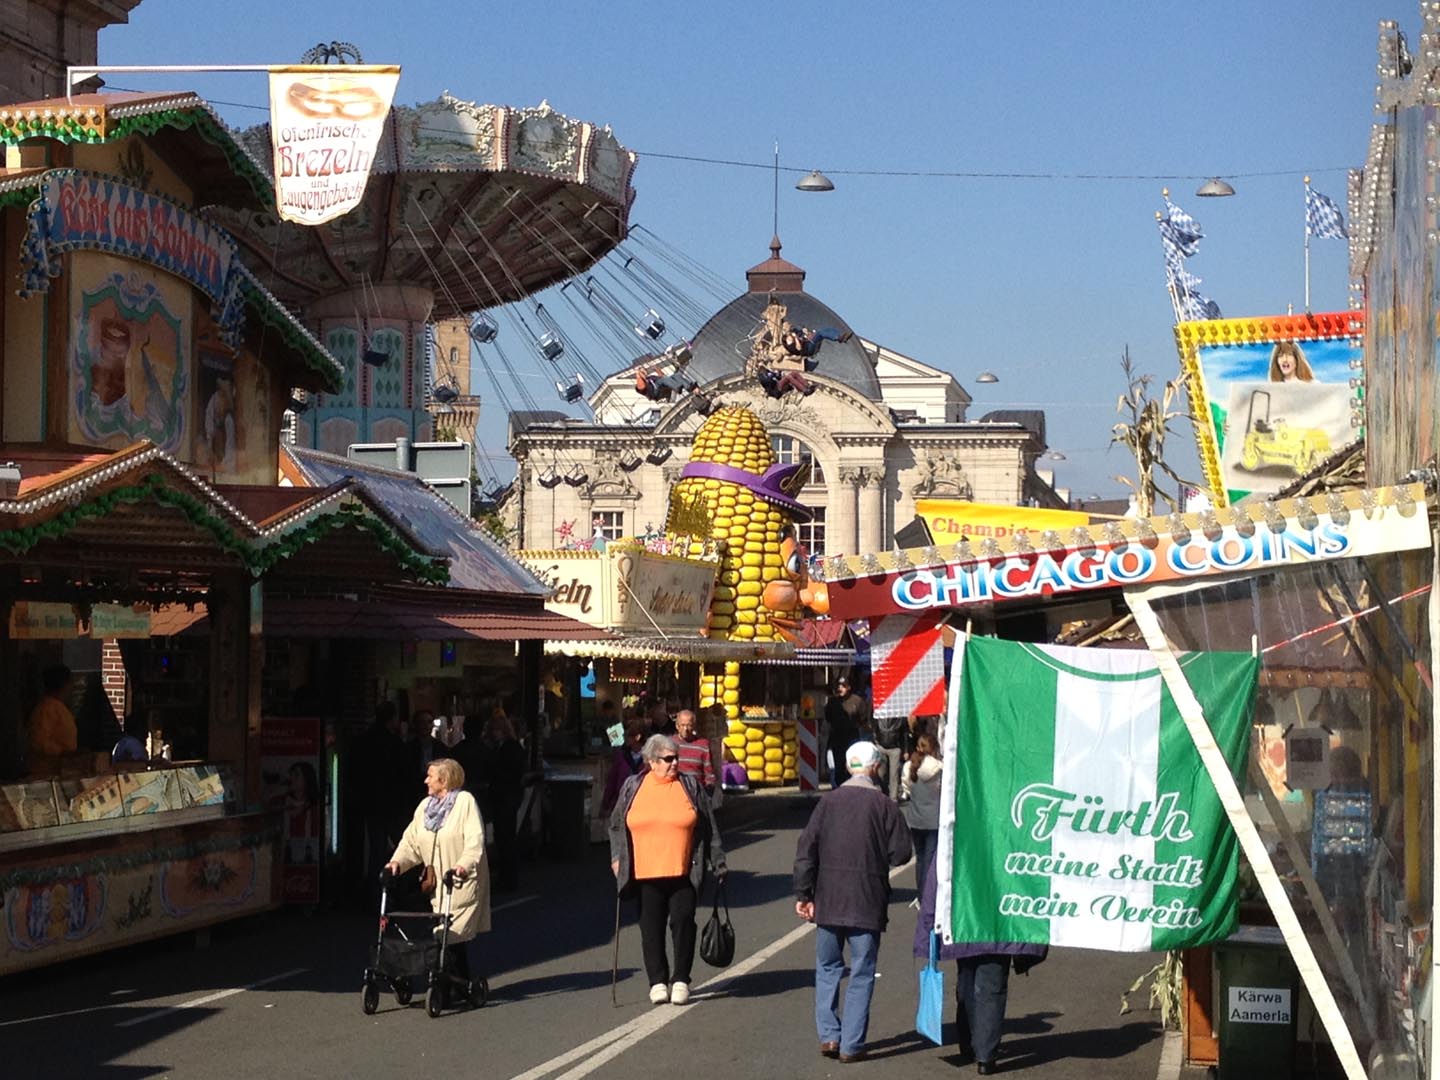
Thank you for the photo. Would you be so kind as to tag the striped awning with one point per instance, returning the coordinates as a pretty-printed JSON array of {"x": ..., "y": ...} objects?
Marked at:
[
  {"x": 696, "y": 649},
  {"x": 814, "y": 658}
]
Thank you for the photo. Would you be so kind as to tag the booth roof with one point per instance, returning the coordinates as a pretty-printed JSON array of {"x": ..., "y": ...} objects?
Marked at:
[
  {"x": 477, "y": 562},
  {"x": 181, "y": 124},
  {"x": 140, "y": 504}
]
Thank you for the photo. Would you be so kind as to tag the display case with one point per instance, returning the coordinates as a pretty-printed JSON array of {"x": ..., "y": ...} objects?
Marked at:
[{"x": 101, "y": 861}]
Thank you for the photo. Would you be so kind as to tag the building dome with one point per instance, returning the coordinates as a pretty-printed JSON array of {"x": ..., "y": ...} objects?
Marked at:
[{"x": 723, "y": 343}]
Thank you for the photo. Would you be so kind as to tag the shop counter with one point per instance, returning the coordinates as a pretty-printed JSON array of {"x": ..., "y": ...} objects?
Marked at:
[{"x": 112, "y": 860}]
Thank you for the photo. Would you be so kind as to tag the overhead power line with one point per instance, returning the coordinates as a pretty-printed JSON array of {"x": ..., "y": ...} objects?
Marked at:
[{"x": 941, "y": 174}]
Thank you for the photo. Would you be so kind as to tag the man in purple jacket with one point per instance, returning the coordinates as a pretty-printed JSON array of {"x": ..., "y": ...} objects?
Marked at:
[{"x": 842, "y": 884}]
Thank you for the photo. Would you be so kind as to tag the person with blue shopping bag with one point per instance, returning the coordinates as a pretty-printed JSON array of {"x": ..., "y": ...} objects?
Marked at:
[{"x": 982, "y": 983}]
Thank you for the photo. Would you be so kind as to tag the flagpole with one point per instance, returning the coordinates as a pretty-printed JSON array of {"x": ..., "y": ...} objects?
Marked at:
[
  {"x": 1170, "y": 278},
  {"x": 1307, "y": 245}
]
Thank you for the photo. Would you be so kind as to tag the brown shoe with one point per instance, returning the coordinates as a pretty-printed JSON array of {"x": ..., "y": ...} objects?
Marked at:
[
  {"x": 830, "y": 1049},
  {"x": 847, "y": 1059}
]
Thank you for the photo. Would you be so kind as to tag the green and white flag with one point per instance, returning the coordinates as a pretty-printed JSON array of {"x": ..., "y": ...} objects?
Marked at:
[{"x": 1076, "y": 810}]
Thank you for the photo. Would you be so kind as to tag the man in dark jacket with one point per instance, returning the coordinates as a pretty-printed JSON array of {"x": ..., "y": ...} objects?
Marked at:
[
  {"x": 847, "y": 719},
  {"x": 842, "y": 884}
]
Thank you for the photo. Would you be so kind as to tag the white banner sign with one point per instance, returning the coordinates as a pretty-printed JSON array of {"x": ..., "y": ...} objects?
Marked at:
[{"x": 325, "y": 123}]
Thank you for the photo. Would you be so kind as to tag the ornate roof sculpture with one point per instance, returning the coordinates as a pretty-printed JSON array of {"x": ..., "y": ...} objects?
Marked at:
[
  {"x": 483, "y": 204},
  {"x": 724, "y": 345}
]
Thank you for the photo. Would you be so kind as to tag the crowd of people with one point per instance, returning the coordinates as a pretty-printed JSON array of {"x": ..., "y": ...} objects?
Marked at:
[
  {"x": 659, "y": 805},
  {"x": 884, "y": 808},
  {"x": 388, "y": 768},
  {"x": 856, "y": 835}
]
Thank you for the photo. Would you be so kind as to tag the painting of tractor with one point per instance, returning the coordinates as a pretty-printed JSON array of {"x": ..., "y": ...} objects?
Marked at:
[{"x": 1274, "y": 442}]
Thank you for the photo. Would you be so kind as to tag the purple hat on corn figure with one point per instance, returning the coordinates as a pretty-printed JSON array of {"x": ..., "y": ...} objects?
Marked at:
[{"x": 778, "y": 485}]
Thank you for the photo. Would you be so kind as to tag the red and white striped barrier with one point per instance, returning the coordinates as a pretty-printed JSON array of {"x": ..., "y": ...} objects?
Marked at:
[
  {"x": 907, "y": 658},
  {"x": 809, "y": 758}
]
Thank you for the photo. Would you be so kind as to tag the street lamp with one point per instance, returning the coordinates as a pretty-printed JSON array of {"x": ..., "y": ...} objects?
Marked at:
[
  {"x": 1214, "y": 188},
  {"x": 815, "y": 181}
]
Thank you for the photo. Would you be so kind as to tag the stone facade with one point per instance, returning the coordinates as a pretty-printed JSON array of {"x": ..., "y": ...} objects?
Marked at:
[
  {"x": 43, "y": 37},
  {"x": 871, "y": 469}
]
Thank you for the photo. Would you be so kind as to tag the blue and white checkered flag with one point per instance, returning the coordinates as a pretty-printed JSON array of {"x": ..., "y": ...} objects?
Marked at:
[
  {"x": 1187, "y": 229},
  {"x": 1184, "y": 281},
  {"x": 1323, "y": 219},
  {"x": 1197, "y": 307},
  {"x": 1193, "y": 305},
  {"x": 1174, "y": 248}
]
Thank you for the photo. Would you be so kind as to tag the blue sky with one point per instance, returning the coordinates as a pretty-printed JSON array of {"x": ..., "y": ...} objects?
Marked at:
[{"x": 1042, "y": 281}]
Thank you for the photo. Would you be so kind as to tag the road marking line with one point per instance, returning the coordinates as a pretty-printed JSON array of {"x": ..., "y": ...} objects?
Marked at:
[
  {"x": 206, "y": 999},
  {"x": 600, "y": 1041},
  {"x": 512, "y": 903},
  {"x": 58, "y": 1015},
  {"x": 611, "y": 1044}
]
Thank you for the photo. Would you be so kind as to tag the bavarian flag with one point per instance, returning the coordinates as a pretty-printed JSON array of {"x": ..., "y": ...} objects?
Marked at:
[{"x": 1076, "y": 808}]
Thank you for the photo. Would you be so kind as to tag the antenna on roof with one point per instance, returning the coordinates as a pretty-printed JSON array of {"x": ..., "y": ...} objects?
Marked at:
[{"x": 775, "y": 201}]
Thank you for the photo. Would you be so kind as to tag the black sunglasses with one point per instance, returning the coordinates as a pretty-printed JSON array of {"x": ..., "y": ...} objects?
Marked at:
[{"x": 667, "y": 758}]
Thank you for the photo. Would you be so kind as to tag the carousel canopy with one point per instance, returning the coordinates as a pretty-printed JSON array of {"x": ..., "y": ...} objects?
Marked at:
[{"x": 482, "y": 204}]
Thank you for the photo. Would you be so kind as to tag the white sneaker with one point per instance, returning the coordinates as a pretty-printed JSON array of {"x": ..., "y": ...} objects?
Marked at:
[
  {"x": 660, "y": 993},
  {"x": 679, "y": 993}
]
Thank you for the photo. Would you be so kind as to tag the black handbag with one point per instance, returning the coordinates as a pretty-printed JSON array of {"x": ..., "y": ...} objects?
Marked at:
[{"x": 717, "y": 937}]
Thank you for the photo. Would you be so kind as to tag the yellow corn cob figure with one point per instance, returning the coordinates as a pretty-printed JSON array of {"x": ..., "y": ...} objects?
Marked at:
[{"x": 747, "y": 531}]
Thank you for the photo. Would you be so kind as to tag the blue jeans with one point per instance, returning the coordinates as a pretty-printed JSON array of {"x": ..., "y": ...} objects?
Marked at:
[
  {"x": 982, "y": 984},
  {"x": 830, "y": 943}
]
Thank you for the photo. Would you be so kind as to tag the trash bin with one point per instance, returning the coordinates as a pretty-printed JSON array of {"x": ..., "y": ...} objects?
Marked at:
[
  {"x": 567, "y": 814},
  {"x": 1259, "y": 992}
]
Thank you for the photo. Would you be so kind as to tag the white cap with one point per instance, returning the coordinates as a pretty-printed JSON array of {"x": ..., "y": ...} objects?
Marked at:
[{"x": 861, "y": 755}]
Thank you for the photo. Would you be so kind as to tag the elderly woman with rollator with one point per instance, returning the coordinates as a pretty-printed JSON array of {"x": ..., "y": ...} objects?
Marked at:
[
  {"x": 448, "y": 833},
  {"x": 662, "y": 837}
]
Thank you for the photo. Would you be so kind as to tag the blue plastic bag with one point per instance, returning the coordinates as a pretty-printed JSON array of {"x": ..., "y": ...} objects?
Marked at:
[{"x": 930, "y": 1013}]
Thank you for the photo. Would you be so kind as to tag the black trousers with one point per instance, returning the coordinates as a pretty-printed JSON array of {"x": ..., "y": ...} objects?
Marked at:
[
  {"x": 504, "y": 856},
  {"x": 667, "y": 900}
]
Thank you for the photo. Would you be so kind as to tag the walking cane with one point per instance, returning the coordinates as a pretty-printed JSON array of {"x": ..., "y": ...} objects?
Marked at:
[{"x": 615, "y": 962}]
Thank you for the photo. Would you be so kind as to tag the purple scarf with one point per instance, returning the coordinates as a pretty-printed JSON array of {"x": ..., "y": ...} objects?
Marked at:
[{"x": 437, "y": 809}]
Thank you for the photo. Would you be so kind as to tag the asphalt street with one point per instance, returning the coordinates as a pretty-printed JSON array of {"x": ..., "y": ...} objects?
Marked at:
[{"x": 279, "y": 996}]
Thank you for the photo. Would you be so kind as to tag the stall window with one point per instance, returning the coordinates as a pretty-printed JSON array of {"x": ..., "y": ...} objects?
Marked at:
[{"x": 610, "y": 524}]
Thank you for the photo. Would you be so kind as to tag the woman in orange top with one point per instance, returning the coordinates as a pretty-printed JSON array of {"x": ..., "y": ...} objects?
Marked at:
[{"x": 662, "y": 837}]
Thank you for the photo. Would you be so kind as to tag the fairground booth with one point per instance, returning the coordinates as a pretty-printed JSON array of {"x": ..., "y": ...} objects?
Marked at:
[
  {"x": 152, "y": 570},
  {"x": 713, "y": 613}
]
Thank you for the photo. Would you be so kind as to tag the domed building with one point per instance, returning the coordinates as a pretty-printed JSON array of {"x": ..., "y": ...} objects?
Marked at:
[{"x": 880, "y": 429}]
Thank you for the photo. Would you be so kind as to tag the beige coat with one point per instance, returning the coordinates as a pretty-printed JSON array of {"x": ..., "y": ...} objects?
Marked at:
[{"x": 460, "y": 842}]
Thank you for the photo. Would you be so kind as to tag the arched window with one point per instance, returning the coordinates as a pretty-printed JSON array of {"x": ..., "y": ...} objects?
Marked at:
[
  {"x": 811, "y": 533},
  {"x": 789, "y": 450}
]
